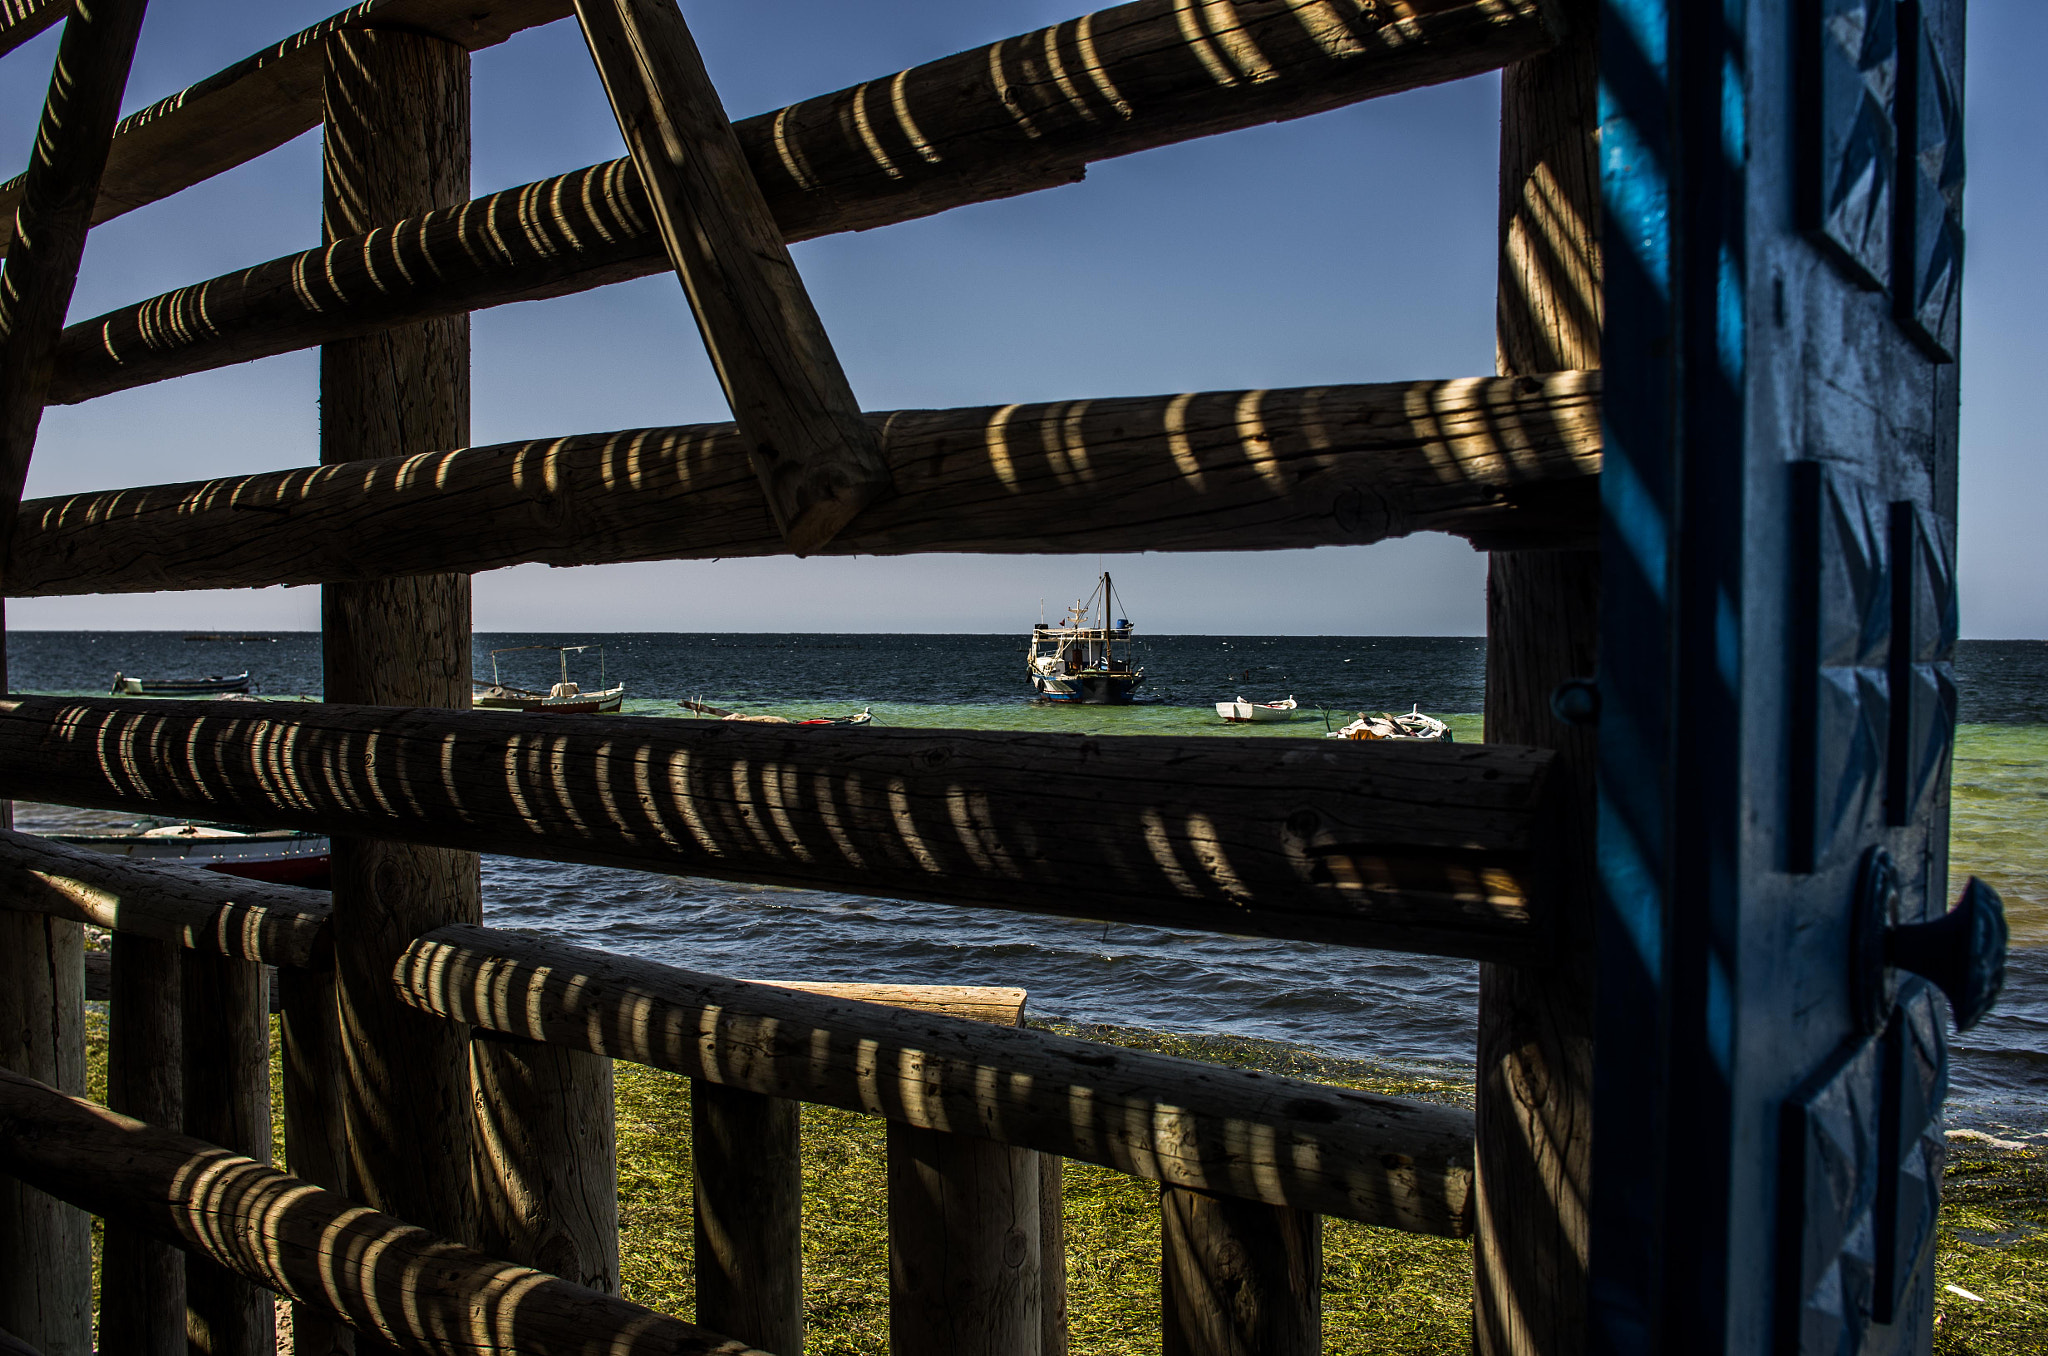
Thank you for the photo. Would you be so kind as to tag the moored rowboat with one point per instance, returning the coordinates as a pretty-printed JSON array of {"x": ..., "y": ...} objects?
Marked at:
[
  {"x": 124, "y": 686},
  {"x": 1242, "y": 712}
]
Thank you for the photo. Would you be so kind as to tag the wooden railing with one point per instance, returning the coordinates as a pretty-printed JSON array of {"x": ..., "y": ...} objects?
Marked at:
[{"x": 446, "y": 1087}]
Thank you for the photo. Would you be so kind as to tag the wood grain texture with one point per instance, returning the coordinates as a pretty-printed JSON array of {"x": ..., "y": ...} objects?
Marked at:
[
  {"x": 396, "y": 142},
  {"x": 964, "y": 1259},
  {"x": 1491, "y": 459},
  {"x": 227, "y": 1102},
  {"x": 21, "y": 20},
  {"x": 746, "y": 1200},
  {"x": 1284, "y": 1141},
  {"x": 184, "y": 905},
  {"x": 1535, "y": 1090},
  {"x": 1436, "y": 848},
  {"x": 315, "y": 1148},
  {"x": 1026, "y": 113},
  {"x": 255, "y": 105},
  {"x": 547, "y": 1159},
  {"x": 394, "y": 1282},
  {"x": 45, "y": 1248},
  {"x": 142, "y": 1279},
  {"x": 1238, "y": 1278},
  {"x": 815, "y": 456}
]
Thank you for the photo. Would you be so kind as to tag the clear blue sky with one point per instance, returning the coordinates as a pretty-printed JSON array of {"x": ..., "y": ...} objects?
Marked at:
[{"x": 1353, "y": 246}]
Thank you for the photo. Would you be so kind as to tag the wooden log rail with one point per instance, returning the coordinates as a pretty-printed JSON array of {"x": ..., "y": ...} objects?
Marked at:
[
  {"x": 255, "y": 105},
  {"x": 387, "y": 1279},
  {"x": 183, "y": 905},
  {"x": 1262, "y": 1137},
  {"x": 1492, "y": 459},
  {"x": 1023, "y": 114},
  {"x": 1434, "y": 848}
]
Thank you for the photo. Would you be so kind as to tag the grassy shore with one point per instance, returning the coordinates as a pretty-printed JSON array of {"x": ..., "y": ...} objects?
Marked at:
[{"x": 1384, "y": 1292}]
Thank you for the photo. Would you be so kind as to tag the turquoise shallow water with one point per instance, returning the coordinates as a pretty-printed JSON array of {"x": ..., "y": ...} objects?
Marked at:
[{"x": 1415, "y": 1012}]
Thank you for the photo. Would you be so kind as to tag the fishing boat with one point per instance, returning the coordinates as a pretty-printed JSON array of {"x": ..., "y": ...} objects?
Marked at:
[
  {"x": 280, "y": 856},
  {"x": 1085, "y": 659},
  {"x": 1242, "y": 712},
  {"x": 124, "y": 686},
  {"x": 1383, "y": 725},
  {"x": 564, "y": 698}
]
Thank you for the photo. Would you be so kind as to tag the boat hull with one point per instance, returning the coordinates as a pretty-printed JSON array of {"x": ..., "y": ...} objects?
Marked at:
[
  {"x": 1089, "y": 689},
  {"x": 583, "y": 703},
  {"x": 280, "y": 859},
  {"x": 179, "y": 687}
]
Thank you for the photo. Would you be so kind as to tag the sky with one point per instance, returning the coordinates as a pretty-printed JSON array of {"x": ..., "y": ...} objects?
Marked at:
[{"x": 1354, "y": 246}]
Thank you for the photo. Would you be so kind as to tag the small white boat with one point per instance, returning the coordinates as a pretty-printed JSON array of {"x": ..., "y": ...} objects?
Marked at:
[
  {"x": 564, "y": 698},
  {"x": 1382, "y": 725},
  {"x": 1242, "y": 712}
]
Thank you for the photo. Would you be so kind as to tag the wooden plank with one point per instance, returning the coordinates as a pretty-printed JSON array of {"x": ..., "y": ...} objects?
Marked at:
[
  {"x": 392, "y": 1281},
  {"x": 747, "y": 1196},
  {"x": 183, "y": 905},
  {"x": 21, "y": 20},
  {"x": 260, "y": 102},
  {"x": 46, "y": 1274},
  {"x": 1488, "y": 458},
  {"x": 227, "y": 1102},
  {"x": 396, "y": 141},
  {"x": 964, "y": 1262},
  {"x": 1238, "y": 1278},
  {"x": 1436, "y": 848},
  {"x": 1535, "y": 1090},
  {"x": 1026, "y": 113},
  {"x": 1284, "y": 1141},
  {"x": 816, "y": 457},
  {"x": 142, "y": 1286}
]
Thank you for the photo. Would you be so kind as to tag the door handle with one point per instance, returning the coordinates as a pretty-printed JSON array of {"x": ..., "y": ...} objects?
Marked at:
[{"x": 1962, "y": 953}]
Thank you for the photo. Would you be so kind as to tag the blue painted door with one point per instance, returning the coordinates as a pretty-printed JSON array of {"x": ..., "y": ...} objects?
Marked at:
[{"x": 1783, "y": 243}]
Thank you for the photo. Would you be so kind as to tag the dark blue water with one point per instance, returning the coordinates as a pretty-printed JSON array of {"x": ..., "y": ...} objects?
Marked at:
[{"x": 1412, "y": 1012}]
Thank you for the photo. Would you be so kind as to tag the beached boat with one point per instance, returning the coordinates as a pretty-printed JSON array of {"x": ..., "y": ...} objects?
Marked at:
[
  {"x": 1383, "y": 725},
  {"x": 1085, "y": 659},
  {"x": 564, "y": 698},
  {"x": 280, "y": 856},
  {"x": 861, "y": 717},
  {"x": 124, "y": 686},
  {"x": 1242, "y": 712}
]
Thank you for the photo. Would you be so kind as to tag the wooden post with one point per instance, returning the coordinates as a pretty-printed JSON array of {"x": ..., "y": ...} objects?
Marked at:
[
  {"x": 142, "y": 1285},
  {"x": 817, "y": 459},
  {"x": 397, "y": 144},
  {"x": 965, "y": 1260},
  {"x": 45, "y": 1247},
  {"x": 227, "y": 1102},
  {"x": 1536, "y": 1023},
  {"x": 747, "y": 1180},
  {"x": 1052, "y": 1254},
  {"x": 547, "y": 1159},
  {"x": 315, "y": 1149},
  {"x": 1238, "y": 1278}
]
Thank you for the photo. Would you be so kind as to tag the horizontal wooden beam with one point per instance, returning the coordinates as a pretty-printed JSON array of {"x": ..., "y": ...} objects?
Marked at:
[
  {"x": 1491, "y": 459},
  {"x": 184, "y": 905},
  {"x": 385, "y": 1278},
  {"x": 1022, "y": 114},
  {"x": 259, "y": 103},
  {"x": 1334, "y": 1151},
  {"x": 21, "y": 20},
  {"x": 1435, "y": 848}
]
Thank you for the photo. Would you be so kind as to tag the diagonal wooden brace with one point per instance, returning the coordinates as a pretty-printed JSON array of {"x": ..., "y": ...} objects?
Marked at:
[{"x": 818, "y": 461}]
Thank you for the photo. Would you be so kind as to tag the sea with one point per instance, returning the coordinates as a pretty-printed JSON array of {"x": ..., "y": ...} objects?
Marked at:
[{"x": 1405, "y": 1013}]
